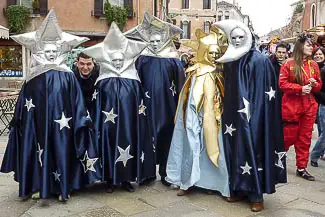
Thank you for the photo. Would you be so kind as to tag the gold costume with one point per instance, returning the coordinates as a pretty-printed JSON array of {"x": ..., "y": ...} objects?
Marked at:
[{"x": 208, "y": 90}]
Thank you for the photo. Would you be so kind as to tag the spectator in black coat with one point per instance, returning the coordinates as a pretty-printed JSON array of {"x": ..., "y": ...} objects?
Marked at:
[
  {"x": 87, "y": 73},
  {"x": 281, "y": 54}
]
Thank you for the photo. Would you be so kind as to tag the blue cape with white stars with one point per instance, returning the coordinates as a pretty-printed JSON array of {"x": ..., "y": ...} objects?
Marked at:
[
  {"x": 50, "y": 146},
  {"x": 120, "y": 114},
  {"x": 162, "y": 80},
  {"x": 255, "y": 150}
]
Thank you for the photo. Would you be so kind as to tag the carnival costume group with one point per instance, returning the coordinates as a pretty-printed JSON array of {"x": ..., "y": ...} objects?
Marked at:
[{"x": 216, "y": 125}]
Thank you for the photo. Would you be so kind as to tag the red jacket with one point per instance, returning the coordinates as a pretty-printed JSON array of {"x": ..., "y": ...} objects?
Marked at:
[{"x": 294, "y": 103}]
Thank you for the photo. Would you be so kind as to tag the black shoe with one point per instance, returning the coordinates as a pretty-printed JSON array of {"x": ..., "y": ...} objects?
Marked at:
[
  {"x": 314, "y": 163},
  {"x": 304, "y": 174},
  {"x": 164, "y": 182},
  {"x": 128, "y": 187},
  {"x": 109, "y": 187},
  {"x": 147, "y": 181}
]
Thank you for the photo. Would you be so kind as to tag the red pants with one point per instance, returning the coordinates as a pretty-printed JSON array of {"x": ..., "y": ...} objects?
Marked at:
[{"x": 299, "y": 134}]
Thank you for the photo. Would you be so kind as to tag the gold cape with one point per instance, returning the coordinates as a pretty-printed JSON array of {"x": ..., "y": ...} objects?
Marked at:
[{"x": 208, "y": 91}]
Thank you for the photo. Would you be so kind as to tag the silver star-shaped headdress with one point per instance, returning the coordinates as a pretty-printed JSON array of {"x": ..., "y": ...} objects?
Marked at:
[
  {"x": 116, "y": 42},
  {"x": 48, "y": 33},
  {"x": 153, "y": 25}
]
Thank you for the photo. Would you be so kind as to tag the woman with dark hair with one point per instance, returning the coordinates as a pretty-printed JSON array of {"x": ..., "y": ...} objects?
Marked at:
[
  {"x": 299, "y": 78},
  {"x": 318, "y": 150}
]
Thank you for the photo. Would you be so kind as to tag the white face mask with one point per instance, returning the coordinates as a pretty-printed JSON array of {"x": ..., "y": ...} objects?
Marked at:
[
  {"x": 238, "y": 37},
  {"x": 50, "y": 52},
  {"x": 155, "y": 42},
  {"x": 117, "y": 60}
]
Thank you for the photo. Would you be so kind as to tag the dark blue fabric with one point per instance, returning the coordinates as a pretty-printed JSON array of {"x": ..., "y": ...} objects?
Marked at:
[
  {"x": 52, "y": 93},
  {"x": 255, "y": 141},
  {"x": 157, "y": 76},
  {"x": 130, "y": 129}
]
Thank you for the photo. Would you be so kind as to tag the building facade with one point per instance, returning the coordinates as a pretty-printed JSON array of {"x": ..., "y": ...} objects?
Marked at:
[
  {"x": 313, "y": 14},
  {"x": 83, "y": 19},
  {"x": 200, "y": 14}
]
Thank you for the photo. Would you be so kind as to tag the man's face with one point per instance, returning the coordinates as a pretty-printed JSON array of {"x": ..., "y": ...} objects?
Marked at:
[
  {"x": 50, "y": 52},
  {"x": 85, "y": 66},
  {"x": 118, "y": 60},
  {"x": 281, "y": 54},
  {"x": 237, "y": 37},
  {"x": 155, "y": 42}
]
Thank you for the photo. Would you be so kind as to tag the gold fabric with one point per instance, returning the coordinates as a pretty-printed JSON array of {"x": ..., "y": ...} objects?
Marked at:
[{"x": 208, "y": 89}]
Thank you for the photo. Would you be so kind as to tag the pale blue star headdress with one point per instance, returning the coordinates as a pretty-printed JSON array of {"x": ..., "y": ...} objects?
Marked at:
[
  {"x": 48, "y": 33},
  {"x": 152, "y": 25},
  {"x": 116, "y": 43}
]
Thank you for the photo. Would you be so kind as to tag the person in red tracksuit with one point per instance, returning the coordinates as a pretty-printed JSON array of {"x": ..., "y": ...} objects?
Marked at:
[{"x": 299, "y": 79}]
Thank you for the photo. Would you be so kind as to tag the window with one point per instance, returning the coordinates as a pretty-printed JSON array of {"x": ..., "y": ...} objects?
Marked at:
[
  {"x": 313, "y": 16},
  {"x": 220, "y": 14},
  {"x": 227, "y": 15},
  {"x": 185, "y": 4},
  {"x": 186, "y": 27},
  {"x": 206, "y": 4},
  {"x": 27, "y": 4},
  {"x": 115, "y": 2},
  {"x": 155, "y": 8},
  {"x": 206, "y": 28}
]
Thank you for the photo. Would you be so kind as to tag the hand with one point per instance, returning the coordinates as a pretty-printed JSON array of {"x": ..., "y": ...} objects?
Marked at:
[
  {"x": 312, "y": 82},
  {"x": 306, "y": 89}
]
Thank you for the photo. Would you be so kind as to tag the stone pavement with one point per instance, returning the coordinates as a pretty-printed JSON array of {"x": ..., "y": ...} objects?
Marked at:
[{"x": 297, "y": 198}]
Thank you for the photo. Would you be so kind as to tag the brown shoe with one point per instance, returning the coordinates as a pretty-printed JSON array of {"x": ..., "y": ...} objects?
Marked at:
[
  {"x": 181, "y": 192},
  {"x": 257, "y": 207},
  {"x": 234, "y": 199}
]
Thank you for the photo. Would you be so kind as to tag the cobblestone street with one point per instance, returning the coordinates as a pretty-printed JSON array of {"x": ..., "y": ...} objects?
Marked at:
[{"x": 298, "y": 198}]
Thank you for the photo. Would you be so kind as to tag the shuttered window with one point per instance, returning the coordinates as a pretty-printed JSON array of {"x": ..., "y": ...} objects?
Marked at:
[
  {"x": 185, "y": 4},
  {"x": 43, "y": 7},
  {"x": 206, "y": 4},
  {"x": 98, "y": 8},
  {"x": 186, "y": 27},
  {"x": 11, "y": 2}
]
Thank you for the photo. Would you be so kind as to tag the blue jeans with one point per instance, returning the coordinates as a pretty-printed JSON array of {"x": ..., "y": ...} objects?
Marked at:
[{"x": 319, "y": 147}]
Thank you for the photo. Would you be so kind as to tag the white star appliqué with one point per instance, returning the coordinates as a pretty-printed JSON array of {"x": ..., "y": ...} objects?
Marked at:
[
  {"x": 88, "y": 115},
  {"x": 88, "y": 163},
  {"x": 29, "y": 104},
  {"x": 40, "y": 152},
  {"x": 142, "y": 108},
  {"x": 64, "y": 122},
  {"x": 173, "y": 88},
  {"x": 271, "y": 94},
  {"x": 56, "y": 176},
  {"x": 245, "y": 110},
  {"x": 147, "y": 95},
  {"x": 280, "y": 156},
  {"x": 124, "y": 155},
  {"x": 94, "y": 95},
  {"x": 229, "y": 130},
  {"x": 142, "y": 157},
  {"x": 110, "y": 116},
  {"x": 246, "y": 168}
]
